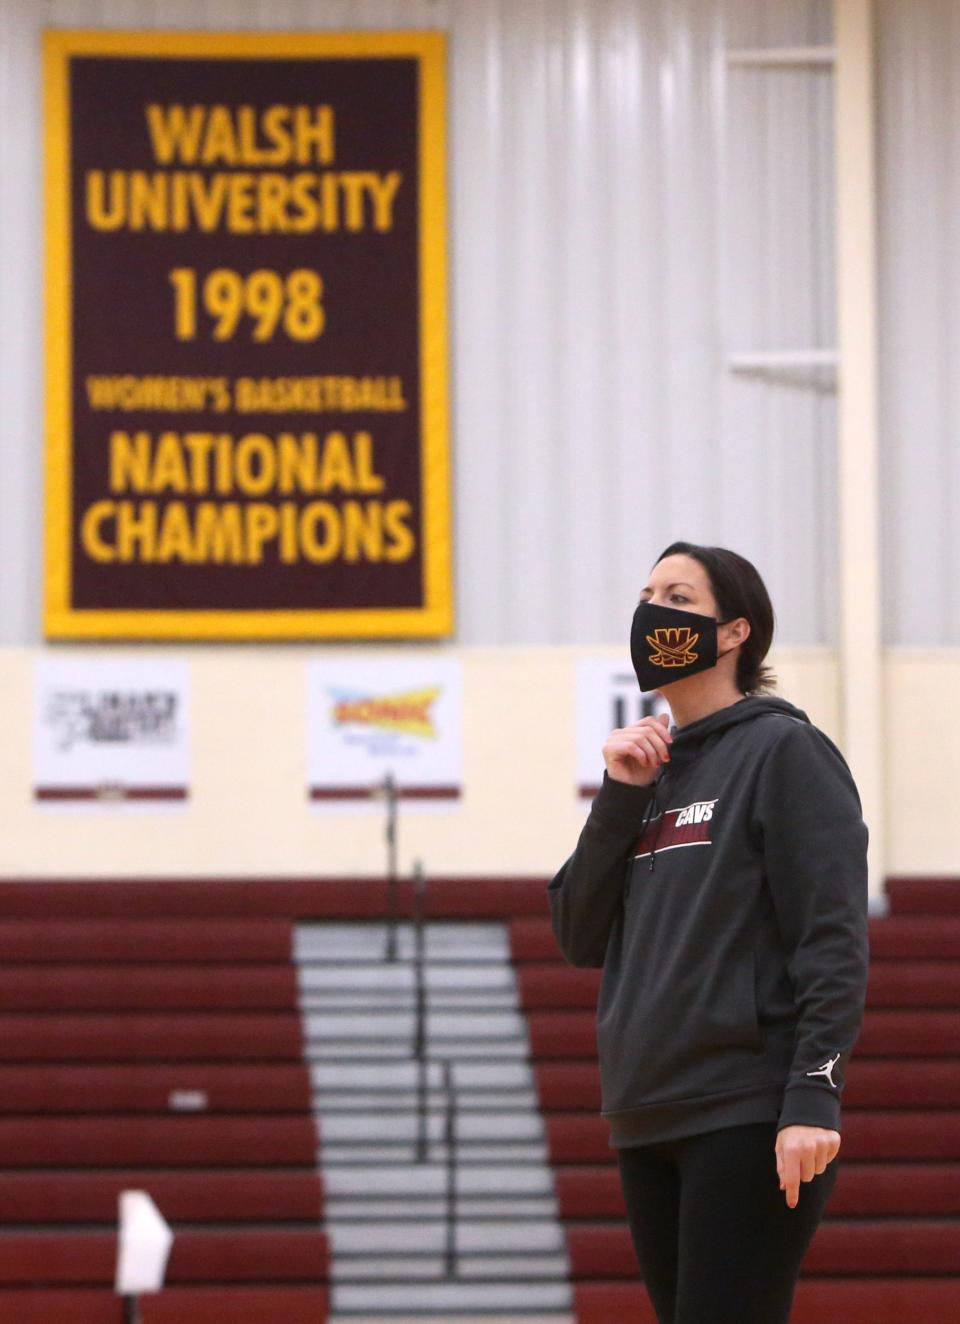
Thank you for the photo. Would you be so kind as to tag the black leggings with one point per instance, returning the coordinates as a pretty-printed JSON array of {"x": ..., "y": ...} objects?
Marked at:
[{"x": 716, "y": 1240}]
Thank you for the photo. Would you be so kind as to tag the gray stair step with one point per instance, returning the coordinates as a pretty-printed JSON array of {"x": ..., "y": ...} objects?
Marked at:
[
  {"x": 385, "y": 1000},
  {"x": 421, "y": 1179},
  {"x": 405, "y": 1074},
  {"x": 427, "y": 1268},
  {"x": 370, "y": 1050},
  {"x": 401, "y": 1237},
  {"x": 445, "y": 1298},
  {"x": 399, "y": 1126},
  {"x": 488, "y": 1317},
  {"x": 400, "y": 1101},
  {"x": 373, "y": 1209},
  {"x": 401, "y": 1024},
  {"x": 443, "y": 941},
  {"x": 475, "y": 1152},
  {"x": 384, "y": 977}
]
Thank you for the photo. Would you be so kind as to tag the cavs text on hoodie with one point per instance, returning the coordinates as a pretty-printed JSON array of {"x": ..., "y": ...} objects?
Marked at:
[{"x": 727, "y": 905}]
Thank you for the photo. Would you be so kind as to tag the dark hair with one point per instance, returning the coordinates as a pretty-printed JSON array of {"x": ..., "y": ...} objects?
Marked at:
[{"x": 739, "y": 591}]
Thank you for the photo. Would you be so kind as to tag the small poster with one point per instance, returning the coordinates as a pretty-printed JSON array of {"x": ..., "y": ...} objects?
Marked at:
[
  {"x": 373, "y": 719},
  {"x": 608, "y": 697},
  {"x": 111, "y": 731}
]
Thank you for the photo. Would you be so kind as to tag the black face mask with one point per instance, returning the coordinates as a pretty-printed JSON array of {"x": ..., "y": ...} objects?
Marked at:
[{"x": 667, "y": 644}]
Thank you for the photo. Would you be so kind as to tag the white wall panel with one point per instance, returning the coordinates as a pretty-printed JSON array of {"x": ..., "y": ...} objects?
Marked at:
[
  {"x": 21, "y": 300},
  {"x": 919, "y": 247},
  {"x": 626, "y": 212}
]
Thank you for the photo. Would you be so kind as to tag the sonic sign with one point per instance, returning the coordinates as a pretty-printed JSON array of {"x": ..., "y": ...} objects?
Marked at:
[
  {"x": 247, "y": 431},
  {"x": 370, "y": 718}
]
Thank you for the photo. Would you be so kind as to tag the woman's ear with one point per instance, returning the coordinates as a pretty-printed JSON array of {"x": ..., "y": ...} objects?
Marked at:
[{"x": 739, "y": 630}]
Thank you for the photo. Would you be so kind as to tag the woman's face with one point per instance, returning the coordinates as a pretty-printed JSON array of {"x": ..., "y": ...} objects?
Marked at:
[{"x": 680, "y": 581}]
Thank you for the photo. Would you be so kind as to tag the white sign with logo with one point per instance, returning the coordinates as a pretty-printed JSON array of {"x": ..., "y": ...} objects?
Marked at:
[
  {"x": 111, "y": 732},
  {"x": 370, "y": 718},
  {"x": 608, "y": 697}
]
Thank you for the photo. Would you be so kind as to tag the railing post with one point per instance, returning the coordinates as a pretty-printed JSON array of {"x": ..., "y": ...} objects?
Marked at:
[
  {"x": 450, "y": 1135},
  {"x": 390, "y": 792},
  {"x": 420, "y": 1012}
]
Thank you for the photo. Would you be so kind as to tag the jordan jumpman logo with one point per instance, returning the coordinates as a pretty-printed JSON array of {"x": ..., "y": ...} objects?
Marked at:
[{"x": 827, "y": 1070}]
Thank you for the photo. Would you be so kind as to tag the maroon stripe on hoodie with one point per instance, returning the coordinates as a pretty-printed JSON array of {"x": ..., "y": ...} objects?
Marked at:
[{"x": 687, "y": 826}]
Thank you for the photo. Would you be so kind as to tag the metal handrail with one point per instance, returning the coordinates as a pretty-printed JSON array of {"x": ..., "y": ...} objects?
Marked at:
[
  {"x": 420, "y": 1011},
  {"x": 450, "y": 1135},
  {"x": 422, "y": 1058},
  {"x": 391, "y": 795}
]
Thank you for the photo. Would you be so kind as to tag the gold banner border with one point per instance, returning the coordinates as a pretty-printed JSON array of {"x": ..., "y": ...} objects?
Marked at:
[{"x": 435, "y": 618}]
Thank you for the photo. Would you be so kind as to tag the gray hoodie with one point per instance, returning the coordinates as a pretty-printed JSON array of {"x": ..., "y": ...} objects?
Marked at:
[{"x": 727, "y": 905}]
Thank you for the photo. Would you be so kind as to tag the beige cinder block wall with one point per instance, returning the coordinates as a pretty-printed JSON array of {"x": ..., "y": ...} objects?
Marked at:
[{"x": 249, "y": 815}]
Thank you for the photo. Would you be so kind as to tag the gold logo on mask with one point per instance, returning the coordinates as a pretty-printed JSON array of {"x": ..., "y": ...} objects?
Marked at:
[{"x": 673, "y": 647}]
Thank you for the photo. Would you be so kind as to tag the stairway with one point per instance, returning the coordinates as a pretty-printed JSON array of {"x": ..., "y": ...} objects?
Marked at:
[{"x": 387, "y": 1208}]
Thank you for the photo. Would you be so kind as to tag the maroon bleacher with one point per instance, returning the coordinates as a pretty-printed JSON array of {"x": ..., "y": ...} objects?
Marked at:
[
  {"x": 118, "y": 998},
  {"x": 143, "y": 1046}
]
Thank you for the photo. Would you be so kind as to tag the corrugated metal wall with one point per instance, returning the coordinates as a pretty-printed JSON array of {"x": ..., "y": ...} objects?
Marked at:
[
  {"x": 919, "y": 213},
  {"x": 627, "y": 212}
]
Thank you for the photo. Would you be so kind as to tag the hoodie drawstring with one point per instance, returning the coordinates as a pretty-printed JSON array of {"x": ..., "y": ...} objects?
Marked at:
[
  {"x": 653, "y": 806},
  {"x": 648, "y": 812}
]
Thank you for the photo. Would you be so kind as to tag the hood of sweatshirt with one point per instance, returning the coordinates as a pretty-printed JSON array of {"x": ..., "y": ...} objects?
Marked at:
[
  {"x": 688, "y": 739},
  {"x": 691, "y": 740}
]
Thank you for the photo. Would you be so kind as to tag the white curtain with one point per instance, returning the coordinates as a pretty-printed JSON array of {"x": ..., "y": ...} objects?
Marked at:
[
  {"x": 919, "y": 247},
  {"x": 627, "y": 212}
]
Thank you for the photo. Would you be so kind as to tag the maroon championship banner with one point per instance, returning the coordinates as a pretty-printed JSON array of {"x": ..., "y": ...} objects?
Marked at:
[{"x": 247, "y": 418}]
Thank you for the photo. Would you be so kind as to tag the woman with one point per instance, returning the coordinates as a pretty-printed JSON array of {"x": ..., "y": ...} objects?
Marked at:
[{"x": 721, "y": 882}]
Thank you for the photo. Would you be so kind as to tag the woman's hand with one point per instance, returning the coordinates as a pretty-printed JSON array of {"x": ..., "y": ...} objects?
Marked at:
[
  {"x": 802, "y": 1153},
  {"x": 634, "y": 753}
]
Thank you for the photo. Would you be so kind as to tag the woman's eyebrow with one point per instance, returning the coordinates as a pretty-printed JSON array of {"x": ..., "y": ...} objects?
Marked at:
[{"x": 678, "y": 584}]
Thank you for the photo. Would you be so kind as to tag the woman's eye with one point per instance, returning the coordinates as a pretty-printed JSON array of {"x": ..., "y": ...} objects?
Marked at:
[{"x": 682, "y": 596}]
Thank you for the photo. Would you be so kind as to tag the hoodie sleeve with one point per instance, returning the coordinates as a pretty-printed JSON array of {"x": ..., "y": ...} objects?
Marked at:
[
  {"x": 809, "y": 813},
  {"x": 585, "y": 895}
]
